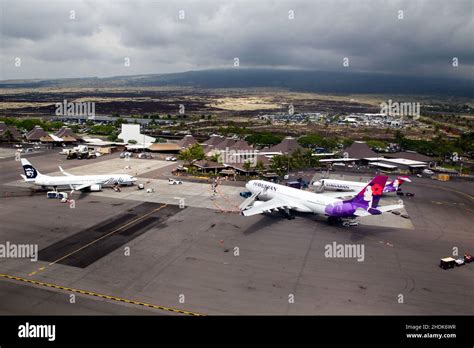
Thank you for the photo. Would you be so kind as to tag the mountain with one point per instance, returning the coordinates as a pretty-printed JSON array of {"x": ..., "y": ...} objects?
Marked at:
[{"x": 294, "y": 80}]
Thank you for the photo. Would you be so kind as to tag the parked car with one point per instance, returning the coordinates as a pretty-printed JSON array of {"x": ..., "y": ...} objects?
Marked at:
[
  {"x": 172, "y": 181},
  {"x": 170, "y": 158},
  {"x": 428, "y": 172},
  {"x": 245, "y": 194},
  {"x": 467, "y": 258},
  {"x": 56, "y": 195},
  {"x": 447, "y": 262},
  {"x": 350, "y": 223},
  {"x": 125, "y": 154},
  {"x": 145, "y": 155},
  {"x": 459, "y": 261}
]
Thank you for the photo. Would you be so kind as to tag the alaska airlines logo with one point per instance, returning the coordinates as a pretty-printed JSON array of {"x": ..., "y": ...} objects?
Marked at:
[
  {"x": 30, "y": 172},
  {"x": 267, "y": 187},
  {"x": 113, "y": 180}
]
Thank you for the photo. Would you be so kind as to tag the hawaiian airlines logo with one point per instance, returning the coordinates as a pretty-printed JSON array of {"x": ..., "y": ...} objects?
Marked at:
[
  {"x": 30, "y": 172},
  {"x": 339, "y": 186},
  {"x": 370, "y": 192},
  {"x": 265, "y": 186}
]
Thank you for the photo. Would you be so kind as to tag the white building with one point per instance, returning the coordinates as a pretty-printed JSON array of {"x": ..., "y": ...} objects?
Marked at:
[{"x": 132, "y": 132}]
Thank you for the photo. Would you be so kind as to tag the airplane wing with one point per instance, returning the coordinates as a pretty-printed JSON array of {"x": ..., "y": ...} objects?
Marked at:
[
  {"x": 65, "y": 173},
  {"x": 383, "y": 209},
  {"x": 273, "y": 204},
  {"x": 386, "y": 208}
]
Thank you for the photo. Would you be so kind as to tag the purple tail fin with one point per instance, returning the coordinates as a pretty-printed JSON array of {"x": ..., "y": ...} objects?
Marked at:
[
  {"x": 394, "y": 185},
  {"x": 370, "y": 195}
]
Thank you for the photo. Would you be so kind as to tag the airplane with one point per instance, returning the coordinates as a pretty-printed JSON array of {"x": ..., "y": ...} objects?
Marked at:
[
  {"x": 268, "y": 197},
  {"x": 342, "y": 185},
  {"x": 75, "y": 182}
]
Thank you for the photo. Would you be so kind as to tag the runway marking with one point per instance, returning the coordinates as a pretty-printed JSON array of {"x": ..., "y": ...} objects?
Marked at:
[
  {"x": 100, "y": 238},
  {"x": 108, "y": 297}
]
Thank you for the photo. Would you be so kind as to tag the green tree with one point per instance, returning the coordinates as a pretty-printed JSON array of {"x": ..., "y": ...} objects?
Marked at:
[
  {"x": 247, "y": 165},
  {"x": 118, "y": 122},
  {"x": 193, "y": 153},
  {"x": 215, "y": 157},
  {"x": 259, "y": 166}
]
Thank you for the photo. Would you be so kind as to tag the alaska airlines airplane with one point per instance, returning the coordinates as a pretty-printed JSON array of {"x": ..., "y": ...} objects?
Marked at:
[
  {"x": 342, "y": 185},
  {"x": 75, "y": 182},
  {"x": 268, "y": 197}
]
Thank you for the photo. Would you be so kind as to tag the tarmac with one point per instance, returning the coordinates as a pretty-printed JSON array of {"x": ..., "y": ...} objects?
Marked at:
[{"x": 184, "y": 250}]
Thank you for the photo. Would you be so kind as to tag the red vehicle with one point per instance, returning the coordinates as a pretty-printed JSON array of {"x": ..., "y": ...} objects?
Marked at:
[{"x": 467, "y": 258}]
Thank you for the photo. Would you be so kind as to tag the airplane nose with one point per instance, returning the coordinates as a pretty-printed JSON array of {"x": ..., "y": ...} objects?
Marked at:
[{"x": 248, "y": 185}]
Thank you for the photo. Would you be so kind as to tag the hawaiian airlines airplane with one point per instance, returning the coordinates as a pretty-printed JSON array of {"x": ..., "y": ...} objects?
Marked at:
[
  {"x": 74, "y": 182},
  {"x": 267, "y": 197},
  {"x": 342, "y": 185}
]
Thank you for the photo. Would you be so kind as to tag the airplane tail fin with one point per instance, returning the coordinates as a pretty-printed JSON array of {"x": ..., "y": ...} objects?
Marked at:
[
  {"x": 369, "y": 197},
  {"x": 30, "y": 172},
  {"x": 394, "y": 185}
]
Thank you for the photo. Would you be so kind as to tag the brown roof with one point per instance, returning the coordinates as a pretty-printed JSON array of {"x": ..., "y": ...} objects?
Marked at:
[
  {"x": 287, "y": 146},
  {"x": 36, "y": 134},
  {"x": 66, "y": 132},
  {"x": 206, "y": 164},
  {"x": 68, "y": 138},
  {"x": 165, "y": 147},
  {"x": 260, "y": 158},
  {"x": 227, "y": 143},
  {"x": 45, "y": 139},
  {"x": 409, "y": 155},
  {"x": 242, "y": 145},
  {"x": 214, "y": 140},
  {"x": 359, "y": 150},
  {"x": 13, "y": 131},
  {"x": 187, "y": 141}
]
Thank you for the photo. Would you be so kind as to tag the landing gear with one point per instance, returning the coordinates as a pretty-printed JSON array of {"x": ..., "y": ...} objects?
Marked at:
[{"x": 286, "y": 213}]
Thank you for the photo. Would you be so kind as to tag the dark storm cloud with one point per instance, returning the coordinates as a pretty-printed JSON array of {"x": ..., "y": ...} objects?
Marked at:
[{"x": 213, "y": 33}]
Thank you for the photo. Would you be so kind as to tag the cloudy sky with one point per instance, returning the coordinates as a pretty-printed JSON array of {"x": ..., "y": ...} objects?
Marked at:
[{"x": 151, "y": 36}]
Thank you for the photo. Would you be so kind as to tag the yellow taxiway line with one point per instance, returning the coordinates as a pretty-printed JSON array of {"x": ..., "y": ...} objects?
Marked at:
[{"x": 95, "y": 294}]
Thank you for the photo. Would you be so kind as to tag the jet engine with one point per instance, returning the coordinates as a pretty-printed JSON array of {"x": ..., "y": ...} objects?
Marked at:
[
  {"x": 96, "y": 187},
  {"x": 318, "y": 186}
]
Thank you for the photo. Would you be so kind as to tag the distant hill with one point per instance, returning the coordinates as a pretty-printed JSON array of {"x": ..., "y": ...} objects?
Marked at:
[{"x": 295, "y": 80}]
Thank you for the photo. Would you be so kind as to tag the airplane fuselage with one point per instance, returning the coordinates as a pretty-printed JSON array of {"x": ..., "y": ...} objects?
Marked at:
[
  {"x": 78, "y": 180},
  {"x": 351, "y": 186},
  {"x": 307, "y": 202}
]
